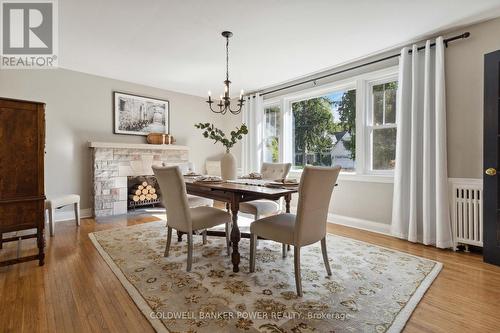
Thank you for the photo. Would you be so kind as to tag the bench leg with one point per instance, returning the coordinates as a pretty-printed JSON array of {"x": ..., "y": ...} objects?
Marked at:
[{"x": 51, "y": 221}]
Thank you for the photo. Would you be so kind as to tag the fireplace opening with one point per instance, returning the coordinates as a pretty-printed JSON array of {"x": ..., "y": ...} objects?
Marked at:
[{"x": 143, "y": 191}]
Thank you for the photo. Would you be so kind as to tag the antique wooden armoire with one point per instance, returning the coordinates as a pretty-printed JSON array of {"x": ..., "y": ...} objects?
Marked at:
[{"x": 22, "y": 197}]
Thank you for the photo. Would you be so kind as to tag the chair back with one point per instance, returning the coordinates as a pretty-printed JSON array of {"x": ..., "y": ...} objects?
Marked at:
[
  {"x": 275, "y": 171},
  {"x": 315, "y": 190},
  {"x": 174, "y": 197}
]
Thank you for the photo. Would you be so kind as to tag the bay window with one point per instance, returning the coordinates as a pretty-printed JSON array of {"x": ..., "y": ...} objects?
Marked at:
[{"x": 351, "y": 123}]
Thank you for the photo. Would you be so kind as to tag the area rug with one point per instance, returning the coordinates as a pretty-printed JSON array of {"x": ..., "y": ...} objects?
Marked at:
[{"x": 372, "y": 289}]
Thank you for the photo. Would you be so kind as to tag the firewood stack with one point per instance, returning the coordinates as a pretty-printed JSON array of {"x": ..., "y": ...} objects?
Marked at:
[{"x": 143, "y": 192}]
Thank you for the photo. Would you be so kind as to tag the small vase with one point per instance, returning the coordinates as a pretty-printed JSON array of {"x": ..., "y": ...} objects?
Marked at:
[{"x": 228, "y": 166}]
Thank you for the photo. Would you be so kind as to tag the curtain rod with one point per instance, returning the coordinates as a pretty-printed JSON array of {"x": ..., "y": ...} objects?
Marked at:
[{"x": 446, "y": 41}]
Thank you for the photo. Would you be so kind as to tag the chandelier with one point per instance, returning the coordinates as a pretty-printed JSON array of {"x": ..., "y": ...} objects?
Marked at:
[{"x": 224, "y": 104}]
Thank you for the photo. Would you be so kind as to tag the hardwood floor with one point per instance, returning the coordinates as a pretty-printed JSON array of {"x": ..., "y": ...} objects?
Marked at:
[{"x": 77, "y": 292}]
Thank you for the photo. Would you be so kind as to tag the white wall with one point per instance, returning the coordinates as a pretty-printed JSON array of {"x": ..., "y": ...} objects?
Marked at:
[{"x": 79, "y": 109}]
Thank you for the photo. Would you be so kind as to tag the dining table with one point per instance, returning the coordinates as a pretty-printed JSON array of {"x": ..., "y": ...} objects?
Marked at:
[{"x": 234, "y": 192}]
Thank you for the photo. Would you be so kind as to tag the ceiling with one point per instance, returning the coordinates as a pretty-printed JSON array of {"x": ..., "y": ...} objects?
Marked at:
[{"x": 176, "y": 45}]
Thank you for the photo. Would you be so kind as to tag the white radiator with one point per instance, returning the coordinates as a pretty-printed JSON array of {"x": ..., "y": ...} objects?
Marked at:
[{"x": 466, "y": 200}]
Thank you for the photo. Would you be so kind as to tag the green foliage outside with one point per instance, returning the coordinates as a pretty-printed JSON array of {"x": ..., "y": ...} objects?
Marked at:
[
  {"x": 315, "y": 126},
  {"x": 347, "y": 112},
  {"x": 273, "y": 145}
]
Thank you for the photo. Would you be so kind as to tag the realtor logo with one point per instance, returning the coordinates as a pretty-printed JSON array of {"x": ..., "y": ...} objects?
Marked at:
[{"x": 29, "y": 34}]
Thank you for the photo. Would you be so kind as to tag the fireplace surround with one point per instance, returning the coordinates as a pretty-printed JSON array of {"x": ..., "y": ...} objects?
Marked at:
[{"x": 112, "y": 163}]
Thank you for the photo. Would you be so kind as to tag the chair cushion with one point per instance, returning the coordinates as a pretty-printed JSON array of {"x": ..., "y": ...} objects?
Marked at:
[
  {"x": 260, "y": 207},
  {"x": 279, "y": 228},
  {"x": 208, "y": 217},
  {"x": 195, "y": 201},
  {"x": 61, "y": 201}
]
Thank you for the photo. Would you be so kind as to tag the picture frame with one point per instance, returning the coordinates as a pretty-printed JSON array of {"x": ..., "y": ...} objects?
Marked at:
[{"x": 140, "y": 115}]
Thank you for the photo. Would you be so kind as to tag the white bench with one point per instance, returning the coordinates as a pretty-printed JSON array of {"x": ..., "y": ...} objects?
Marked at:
[{"x": 52, "y": 204}]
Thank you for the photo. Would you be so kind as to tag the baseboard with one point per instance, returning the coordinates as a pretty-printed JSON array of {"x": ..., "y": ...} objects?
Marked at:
[
  {"x": 373, "y": 226},
  {"x": 378, "y": 227},
  {"x": 63, "y": 215}
]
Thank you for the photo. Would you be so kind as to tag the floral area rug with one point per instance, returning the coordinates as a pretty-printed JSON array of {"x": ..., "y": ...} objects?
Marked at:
[{"x": 372, "y": 289}]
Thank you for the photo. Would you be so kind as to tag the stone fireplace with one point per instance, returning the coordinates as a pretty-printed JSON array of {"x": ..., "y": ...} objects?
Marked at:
[{"x": 113, "y": 163}]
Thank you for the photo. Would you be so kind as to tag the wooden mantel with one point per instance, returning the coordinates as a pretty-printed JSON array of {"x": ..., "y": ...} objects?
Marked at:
[{"x": 121, "y": 145}]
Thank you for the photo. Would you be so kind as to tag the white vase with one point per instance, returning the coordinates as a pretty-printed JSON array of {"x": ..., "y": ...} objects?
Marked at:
[{"x": 228, "y": 166}]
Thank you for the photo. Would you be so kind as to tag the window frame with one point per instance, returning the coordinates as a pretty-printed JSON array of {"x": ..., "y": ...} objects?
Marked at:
[{"x": 363, "y": 84}]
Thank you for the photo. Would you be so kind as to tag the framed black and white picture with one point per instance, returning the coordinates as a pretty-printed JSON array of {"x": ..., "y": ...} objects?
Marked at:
[{"x": 140, "y": 115}]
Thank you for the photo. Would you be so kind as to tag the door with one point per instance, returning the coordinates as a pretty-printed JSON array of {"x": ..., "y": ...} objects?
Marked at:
[{"x": 491, "y": 158}]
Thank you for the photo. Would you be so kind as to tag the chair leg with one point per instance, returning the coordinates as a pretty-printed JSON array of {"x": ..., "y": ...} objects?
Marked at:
[
  {"x": 51, "y": 221},
  {"x": 284, "y": 250},
  {"x": 169, "y": 240},
  {"x": 204, "y": 235},
  {"x": 253, "y": 247},
  {"x": 256, "y": 217},
  {"x": 77, "y": 213},
  {"x": 296, "y": 264},
  {"x": 325, "y": 256},
  {"x": 190, "y": 252},
  {"x": 228, "y": 238}
]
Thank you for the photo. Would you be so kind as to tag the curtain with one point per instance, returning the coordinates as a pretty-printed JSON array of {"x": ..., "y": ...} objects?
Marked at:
[
  {"x": 253, "y": 115},
  {"x": 420, "y": 203}
]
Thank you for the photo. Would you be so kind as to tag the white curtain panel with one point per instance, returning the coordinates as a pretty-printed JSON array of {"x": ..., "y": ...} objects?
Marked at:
[
  {"x": 253, "y": 115},
  {"x": 420, "y": 210}
]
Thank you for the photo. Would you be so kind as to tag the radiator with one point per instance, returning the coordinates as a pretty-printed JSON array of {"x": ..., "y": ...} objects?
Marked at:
[{"x": 466, "y": 201}]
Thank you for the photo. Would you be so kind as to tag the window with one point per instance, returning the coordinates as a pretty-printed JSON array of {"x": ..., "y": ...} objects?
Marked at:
[
  {"x": 351, "y": 123},
  {"x": 271, "y": 137},
  {"x": 382, "y": 125},
  {"x": 324, "y": 130}
]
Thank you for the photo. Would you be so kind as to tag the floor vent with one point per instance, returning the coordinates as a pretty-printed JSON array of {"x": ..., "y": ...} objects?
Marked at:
[{"x": 466, "y": 200}]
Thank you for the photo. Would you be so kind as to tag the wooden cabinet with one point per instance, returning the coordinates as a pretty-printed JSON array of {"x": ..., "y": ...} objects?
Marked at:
[{"x": 22, "y": 197}]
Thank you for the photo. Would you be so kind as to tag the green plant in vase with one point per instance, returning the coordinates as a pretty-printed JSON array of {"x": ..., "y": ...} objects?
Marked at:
[{"x": 228, "y": 161}]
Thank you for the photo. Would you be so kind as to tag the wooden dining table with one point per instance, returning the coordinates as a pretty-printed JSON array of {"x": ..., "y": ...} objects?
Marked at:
[{"x": 233, "y": 193}]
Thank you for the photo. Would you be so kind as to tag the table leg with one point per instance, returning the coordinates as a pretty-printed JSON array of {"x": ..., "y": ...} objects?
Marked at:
[
  {"x": 288, "y": 198},
  {"x": 235, "y": 235}
]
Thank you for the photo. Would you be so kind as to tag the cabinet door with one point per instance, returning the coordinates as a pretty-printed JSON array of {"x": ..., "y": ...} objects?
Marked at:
[
  {"x": 21, "y": 152},
  {"x": 491, "y": 157}
]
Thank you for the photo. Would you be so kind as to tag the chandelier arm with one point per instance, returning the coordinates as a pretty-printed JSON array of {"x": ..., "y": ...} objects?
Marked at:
[
  {"x": 238, "y": 110},
  {"x": 214, "y": 111}
]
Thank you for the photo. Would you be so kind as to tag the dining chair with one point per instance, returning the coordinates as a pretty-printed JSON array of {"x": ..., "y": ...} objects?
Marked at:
[
  {"x": 269, "y": 171},
  {"x": 193, "y": 200},
  {"x": 306, "y": 227},
  {"x": 180, "y": 216}
]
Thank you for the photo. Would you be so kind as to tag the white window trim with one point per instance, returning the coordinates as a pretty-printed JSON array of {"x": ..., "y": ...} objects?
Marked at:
[{"x": 362, "y": 83}]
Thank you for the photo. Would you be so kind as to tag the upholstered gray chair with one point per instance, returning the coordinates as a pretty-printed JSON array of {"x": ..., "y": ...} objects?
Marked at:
[
  {"x": 308, "y": 226},
  {"x": 182, "y": 218},
  {"x": 269, "y": 171}
]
